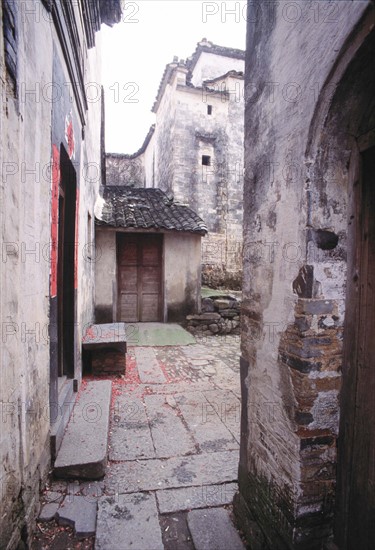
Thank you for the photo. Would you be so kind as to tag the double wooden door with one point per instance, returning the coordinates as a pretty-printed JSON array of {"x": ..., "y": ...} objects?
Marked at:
[{"x": 139, "y": 265}]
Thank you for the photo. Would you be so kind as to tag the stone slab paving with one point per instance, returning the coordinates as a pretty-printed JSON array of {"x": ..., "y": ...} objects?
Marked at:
[
  {"x": 128, "y": 522},
  {"x": 173, "y": 450},
  {"x": 48, "y": 511},
  {"x": 170, "y": 435},
  {"x": 178, "y": 471},
  {"x": 157, "y": 334},
  {"x": 212, "y": 529},
  {"x": 79, "y": 513},
  {"x": 175, "y": 500},
  {"x": 148, "y": 366},
  {"x": 228, "y": 407},
  {"x": 203, "y": 419},
  {"x": 130, "y": 434}
]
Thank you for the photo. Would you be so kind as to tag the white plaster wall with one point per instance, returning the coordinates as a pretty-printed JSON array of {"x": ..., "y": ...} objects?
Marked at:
[
  {"x": 182, "y": 273},
  {"x": 90, "y": 181},
  {"x": 25, "y": 186},
  {"x": 149, "y": 162},
  {"x": 211, "y": 66},
  {"x": 105, "y": 275},
  {"x": 24, "y": 280}
]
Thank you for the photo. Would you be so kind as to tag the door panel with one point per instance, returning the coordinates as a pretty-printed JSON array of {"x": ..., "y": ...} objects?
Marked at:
[
  {"x": 355, "y": 522},
  {"x": 128, "y": 308},
  {"x": 128, "y": 279},
  {"x": 139, "y": 277},
  {"x": 149, "y": 308}
]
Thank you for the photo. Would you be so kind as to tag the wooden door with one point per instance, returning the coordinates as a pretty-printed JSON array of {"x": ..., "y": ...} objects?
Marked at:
[
  {"x": 355, "y": 526},
  {"x": 139, "y": 260}
]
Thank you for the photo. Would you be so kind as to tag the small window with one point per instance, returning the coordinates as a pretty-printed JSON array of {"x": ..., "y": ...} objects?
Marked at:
[
  {"x": 209, "y": 109},
  {"x": 206, "y": 160}
]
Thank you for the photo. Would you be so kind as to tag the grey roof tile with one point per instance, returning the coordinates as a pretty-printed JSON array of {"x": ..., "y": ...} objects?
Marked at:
[{"x": 147, "y": 209}]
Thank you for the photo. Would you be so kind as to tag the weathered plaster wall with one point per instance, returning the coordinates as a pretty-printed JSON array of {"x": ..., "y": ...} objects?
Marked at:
[
  {"x": 33, "y": 114},
  {"x": 149, "y": 162},
  {"x": 90, "y": 182},
  {"x": 105, "y": 276},
  {"x": 164, "y": 140},
  {"x": 295, "y": 221},
  {"x": 214, "y": 191},
  {"x": 125, "y": 170},
  {"x": 210, "y": 65},
  {"x": 182, "y": 272},
  {"x": 25, "y": 234},
  {"x": 184, "y": 133}
]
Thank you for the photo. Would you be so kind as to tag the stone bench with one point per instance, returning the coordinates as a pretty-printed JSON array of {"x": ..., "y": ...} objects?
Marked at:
[{"x": 105, "y": 346}]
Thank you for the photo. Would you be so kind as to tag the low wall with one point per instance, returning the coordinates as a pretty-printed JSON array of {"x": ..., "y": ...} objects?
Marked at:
[{"x": 219, "y": 315}]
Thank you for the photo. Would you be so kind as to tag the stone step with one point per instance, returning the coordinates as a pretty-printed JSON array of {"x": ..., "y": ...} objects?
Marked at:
[
  {"x": 212, "y": 528},
  {"x": 83, "y": 451},
  {"x": 60, "y": 413}
]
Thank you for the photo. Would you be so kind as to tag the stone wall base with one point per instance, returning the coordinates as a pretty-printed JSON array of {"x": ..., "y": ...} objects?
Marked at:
[
  {"x": 246, "y": 522},
  {"x": 27, "y": 505},
  {"x": 219, "y": 315}
]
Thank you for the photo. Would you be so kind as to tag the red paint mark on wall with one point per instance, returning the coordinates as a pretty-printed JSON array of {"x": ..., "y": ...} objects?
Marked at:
[
  {"x": 54, "y": 217},
  {"x": 76, "y": 242},
  {"x": 69, "y": 135}
]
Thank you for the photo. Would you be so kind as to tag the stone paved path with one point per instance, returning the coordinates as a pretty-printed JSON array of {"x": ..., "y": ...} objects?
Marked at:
[{"x": 173, "y": 447}]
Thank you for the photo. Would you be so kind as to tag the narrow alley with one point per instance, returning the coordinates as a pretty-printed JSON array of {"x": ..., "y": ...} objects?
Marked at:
[
  {"x": 173, "y": 452},
  {"x": 187, "y": 275}
]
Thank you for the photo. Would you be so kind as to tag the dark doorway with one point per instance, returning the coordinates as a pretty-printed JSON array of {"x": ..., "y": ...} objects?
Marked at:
[
  {"x": 355, "y": 527},
  {"x": 66, "y": 270},
  {"x": 139, "y": 261}
]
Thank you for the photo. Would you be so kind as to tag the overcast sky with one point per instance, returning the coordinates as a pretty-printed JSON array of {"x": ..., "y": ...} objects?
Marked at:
[{"x": 135, "y": 52}]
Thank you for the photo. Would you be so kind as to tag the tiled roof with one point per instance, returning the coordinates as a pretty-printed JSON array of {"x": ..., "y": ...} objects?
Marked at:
[{"x": 146, "y": 209}]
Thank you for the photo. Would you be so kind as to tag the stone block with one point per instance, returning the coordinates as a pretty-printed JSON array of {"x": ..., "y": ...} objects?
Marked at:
[
  {"x": 83, "y": 452},
  {"x": 228, "y": 313},
  {"x": 79, "y": 513},
  {"x": 128, "y": 521},
  {"x": 213, "y": 529},
  {"x": 315, "y": 307},
  {"x": 222, "y": 304},
  {"x": 48, "y": 511},
  {"x": 204, "y": 317},
  {"x": 207, "y": 305},
  {"x": 188, "y": 498}
]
